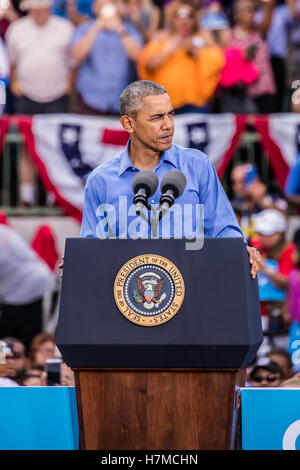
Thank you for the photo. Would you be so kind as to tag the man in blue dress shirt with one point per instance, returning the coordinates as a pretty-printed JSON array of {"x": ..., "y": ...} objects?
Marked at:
[
  {"x": 105, "y": 50},
  {"x": 147, "y": 115}
]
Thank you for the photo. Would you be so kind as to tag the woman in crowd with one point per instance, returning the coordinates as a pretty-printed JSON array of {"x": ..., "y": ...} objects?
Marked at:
[
  {"x": 42, "y": 348},
  {"x": 183, "y": 60},
  {"x": 238, "y": 73},
  {"x": 246, "y": 36}
]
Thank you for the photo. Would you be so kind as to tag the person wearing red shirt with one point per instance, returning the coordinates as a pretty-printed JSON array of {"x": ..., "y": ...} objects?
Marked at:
[{"x": 271, "y": 226}]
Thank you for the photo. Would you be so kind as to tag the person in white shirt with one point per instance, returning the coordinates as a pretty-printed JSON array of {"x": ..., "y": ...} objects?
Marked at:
[
  {"x": 38, "y": 51},
  {"x": 24, "y": 279},
  {"x": 41, "y": 72}
]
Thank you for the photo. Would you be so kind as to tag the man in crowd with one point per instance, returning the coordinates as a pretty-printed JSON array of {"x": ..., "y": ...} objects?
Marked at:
[
  {"x": 16, "y": 355},
  {"x": 40, "y": 70},
  {"x": 39, "y": 59},
  {"x": 104, "y": 50},
  {"x": 147, "y": 115}
]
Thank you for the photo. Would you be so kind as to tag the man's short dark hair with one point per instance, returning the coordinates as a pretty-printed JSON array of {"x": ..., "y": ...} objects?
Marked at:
[{"x": 131, "y": 98}]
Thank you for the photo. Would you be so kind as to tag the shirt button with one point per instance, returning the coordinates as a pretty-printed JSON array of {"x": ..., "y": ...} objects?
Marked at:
[{"x": 152, "y": 202}]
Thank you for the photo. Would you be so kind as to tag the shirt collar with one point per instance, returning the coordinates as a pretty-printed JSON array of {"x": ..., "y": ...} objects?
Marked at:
[{"x": 125, "y": 163}]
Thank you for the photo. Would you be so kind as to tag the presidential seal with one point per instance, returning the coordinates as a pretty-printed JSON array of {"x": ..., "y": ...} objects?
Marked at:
[{"x": 149, "y": 290}]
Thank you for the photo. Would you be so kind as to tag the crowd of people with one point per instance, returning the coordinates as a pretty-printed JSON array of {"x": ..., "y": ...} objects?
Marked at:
[
  {"x": 240, "y": 56},
  {"x": 29, "y": 366},
  {"x": 265, "y": 220}
]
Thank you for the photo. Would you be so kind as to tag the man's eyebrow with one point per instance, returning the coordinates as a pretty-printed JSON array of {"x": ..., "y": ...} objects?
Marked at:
[
  {"x": 156, "y": 115},
  {"x": 162, "y": 114}
]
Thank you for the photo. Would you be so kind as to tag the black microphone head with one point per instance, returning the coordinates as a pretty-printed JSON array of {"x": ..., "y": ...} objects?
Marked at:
[
  {"x": 145, "y": 179},
  {"x": 175, "y": 180}
]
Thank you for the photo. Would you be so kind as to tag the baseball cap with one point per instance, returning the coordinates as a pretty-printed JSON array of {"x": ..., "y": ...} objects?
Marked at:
[
  {"x": 31, "y": 4},
  {"x": 269, "y": 221}
]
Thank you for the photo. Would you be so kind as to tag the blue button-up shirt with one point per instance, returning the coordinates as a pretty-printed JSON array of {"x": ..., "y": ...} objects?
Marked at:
[
  {"x": 107, "y": 70},
  {"x": 108, "y": 205}
]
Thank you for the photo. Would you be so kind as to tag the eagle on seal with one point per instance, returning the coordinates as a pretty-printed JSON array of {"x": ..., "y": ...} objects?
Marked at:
[{"x": 148, "y": 291}]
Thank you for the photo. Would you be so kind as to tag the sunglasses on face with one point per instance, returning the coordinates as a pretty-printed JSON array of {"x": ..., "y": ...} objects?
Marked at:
[
  {"x": 269, "y": 378},
  {"x": 183, "y": 13}
]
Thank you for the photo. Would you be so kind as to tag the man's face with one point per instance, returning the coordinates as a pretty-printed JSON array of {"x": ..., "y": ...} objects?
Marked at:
[
  {"x": 40, "y": 15},
  {"x": 154, "y": 124},
  {"x": 238, "y": 181},
  {"x": 17, "y": 358}
]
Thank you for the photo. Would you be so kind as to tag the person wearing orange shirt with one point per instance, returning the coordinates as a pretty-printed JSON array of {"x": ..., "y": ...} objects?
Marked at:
[{"x": 183, "y": 60}]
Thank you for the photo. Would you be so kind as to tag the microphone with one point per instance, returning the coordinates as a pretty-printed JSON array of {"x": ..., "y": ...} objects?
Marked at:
[
  {"x": 172, "y": 187},
  {"x": 144, "y": 186}
]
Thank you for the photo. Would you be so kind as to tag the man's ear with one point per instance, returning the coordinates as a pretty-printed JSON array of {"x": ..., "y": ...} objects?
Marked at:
[{"x": 127, "y": 123}]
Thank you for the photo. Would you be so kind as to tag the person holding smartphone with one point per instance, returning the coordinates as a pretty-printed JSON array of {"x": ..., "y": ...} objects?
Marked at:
[
  {"x": 279, "y": 22},
  {"x": 183, "y": 59},
  {"x": 247, "y": 36},
  {"x": 104, "y": 51}
]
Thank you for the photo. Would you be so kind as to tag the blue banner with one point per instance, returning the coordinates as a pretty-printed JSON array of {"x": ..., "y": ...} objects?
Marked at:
[
  {"x": 38, "y": 418},
  {"x": 270, "y": 418}
]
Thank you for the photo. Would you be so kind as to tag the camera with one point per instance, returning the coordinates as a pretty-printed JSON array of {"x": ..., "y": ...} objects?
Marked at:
[
  {"x": 108, "y": 11},
  {"x": 5, "y": 350},
  {"x": 53, "y": 371}
]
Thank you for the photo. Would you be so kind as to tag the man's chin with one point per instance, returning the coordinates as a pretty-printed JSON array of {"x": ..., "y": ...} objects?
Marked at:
[{"x": 166, "y": 145}]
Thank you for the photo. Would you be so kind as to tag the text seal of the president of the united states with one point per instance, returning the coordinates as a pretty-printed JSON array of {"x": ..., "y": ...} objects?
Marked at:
[{"x": 149, "y": 290}]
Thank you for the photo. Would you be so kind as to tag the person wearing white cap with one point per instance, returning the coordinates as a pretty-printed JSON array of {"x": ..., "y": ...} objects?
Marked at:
[
  {"x": 271, "y": 226},
  {"x": 273, "y": 280}
]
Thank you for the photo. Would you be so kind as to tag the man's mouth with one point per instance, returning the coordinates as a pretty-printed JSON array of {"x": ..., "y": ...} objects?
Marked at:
[{"x": 168, "y": 136}]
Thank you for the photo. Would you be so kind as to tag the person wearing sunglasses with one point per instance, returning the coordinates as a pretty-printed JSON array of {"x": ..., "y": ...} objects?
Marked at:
[
  {"x": 183, "y": 59},
  {"x": 265, "y": 373}
]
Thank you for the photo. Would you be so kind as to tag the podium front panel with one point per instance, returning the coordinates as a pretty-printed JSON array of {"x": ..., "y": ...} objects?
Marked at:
[{"x": 217, "y": 326}]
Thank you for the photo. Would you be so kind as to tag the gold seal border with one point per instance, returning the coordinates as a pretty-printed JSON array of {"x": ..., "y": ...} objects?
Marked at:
[{"x": 143, "y": 260}]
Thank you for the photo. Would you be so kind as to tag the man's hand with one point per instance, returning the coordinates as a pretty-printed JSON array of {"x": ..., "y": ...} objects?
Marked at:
[
  {"x": 7, "y": 370},
  {"x": 255, "y": 260},
  {"x": 15, "y": 88}
]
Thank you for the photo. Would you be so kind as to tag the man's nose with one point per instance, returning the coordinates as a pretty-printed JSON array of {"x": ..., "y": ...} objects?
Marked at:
[
  {"x": 264, "y": 383},
  {"x": 168, "y": 122}
]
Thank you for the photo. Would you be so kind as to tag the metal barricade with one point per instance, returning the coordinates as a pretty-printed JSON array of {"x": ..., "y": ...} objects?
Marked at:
[{"x": 10, "y": 178}]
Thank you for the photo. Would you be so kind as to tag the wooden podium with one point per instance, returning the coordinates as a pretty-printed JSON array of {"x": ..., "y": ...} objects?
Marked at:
[
  {"x": 173, "y": 386},
  {"x": 158, "y": 409}
]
